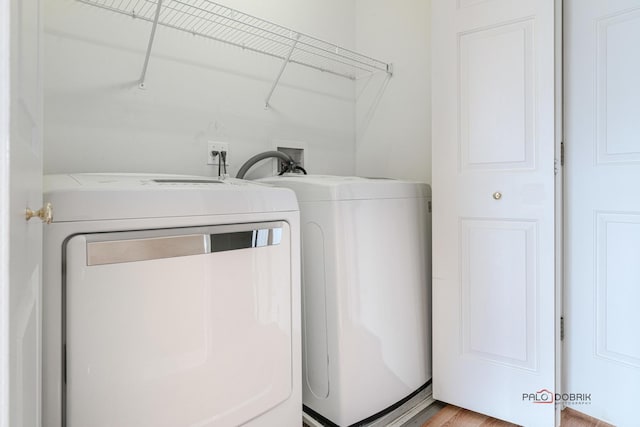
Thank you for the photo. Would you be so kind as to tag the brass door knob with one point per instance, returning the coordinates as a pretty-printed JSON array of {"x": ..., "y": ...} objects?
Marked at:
[
  {"x": 497, "y": 195},
  {"x": 45, "y": 213}
]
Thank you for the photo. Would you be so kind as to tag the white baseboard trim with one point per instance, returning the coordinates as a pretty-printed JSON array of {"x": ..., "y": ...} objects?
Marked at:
[
  {"x": 415, "y": 410},
  {"x": 310, "y": 421},
  {"x": 396, "y": 418}
]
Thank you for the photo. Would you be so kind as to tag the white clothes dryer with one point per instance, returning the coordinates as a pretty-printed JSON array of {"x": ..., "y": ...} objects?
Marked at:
[
  {"x": 366, "y": 261},
  {"x": 170, "y": 301}
]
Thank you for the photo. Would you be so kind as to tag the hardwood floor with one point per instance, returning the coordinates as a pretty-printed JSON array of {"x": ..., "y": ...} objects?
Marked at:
[
  {"x": 452, "y": 416},
  {"x": 571, "y": 418}
]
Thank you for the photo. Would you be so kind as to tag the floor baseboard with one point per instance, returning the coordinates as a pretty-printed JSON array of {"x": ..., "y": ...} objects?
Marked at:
[{"x": 397, "y": 418}]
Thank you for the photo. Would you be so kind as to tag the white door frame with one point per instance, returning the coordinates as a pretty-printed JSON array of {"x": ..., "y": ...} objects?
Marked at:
[
  {"x": 20, "y": 187},
  {"x": 559, "y": 199},
  {"x": 5, "y": 17}
]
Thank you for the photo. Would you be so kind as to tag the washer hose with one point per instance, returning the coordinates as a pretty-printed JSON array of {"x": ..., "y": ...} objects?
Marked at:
[{"x": 291, "y": 165}]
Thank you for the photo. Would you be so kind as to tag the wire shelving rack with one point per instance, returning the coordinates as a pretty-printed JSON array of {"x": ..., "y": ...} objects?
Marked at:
[{"x": 214, "y": 21}]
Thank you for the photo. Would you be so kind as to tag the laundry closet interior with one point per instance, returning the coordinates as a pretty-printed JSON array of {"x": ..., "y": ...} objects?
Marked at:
[{"x": 329, "y": 212}]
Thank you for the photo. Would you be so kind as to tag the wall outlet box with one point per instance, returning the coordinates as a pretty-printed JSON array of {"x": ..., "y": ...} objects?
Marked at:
[
  {"x": 296, "y": 149},
  {"x": 297, "y": 154},
  {"x": 214, "y": 148}
]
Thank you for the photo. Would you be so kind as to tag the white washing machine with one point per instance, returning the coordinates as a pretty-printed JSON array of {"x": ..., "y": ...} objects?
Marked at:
[
  {"x": 170, "y": 301},
  {"x": 366, "y": 261}
]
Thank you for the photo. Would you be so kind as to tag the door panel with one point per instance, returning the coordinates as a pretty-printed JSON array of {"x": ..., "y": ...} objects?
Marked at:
[
  {"x": 501, "y": 88},
  {"x": 603, "y": 209},
  {"x": 617, "y": 290},
  {"x": 494, "y": 206},
  {"x": 493, "y": 291},
  {"x": 617, "y": 95}
]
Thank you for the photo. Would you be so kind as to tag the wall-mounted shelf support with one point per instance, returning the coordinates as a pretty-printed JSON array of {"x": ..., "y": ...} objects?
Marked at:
[
  {"x": 150, "y": 45},
  {"x": 284, "y": 65}
]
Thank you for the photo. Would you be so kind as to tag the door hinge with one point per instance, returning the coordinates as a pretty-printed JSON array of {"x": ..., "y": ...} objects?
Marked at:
[
  {"x": 429, "y": 206},
  {"x": 561, "y": 328},
  {"x": 562, "y": 154},
  {"x": 64, "y": 364}
]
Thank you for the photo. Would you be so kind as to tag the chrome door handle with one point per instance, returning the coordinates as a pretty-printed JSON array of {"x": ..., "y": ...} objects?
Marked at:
[{"x": 497, "y": 195}]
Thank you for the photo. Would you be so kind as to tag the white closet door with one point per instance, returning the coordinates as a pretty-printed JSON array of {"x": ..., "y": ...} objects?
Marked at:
[
  {"x": 602, "y": 75},
  {"x": 494, "y": 290}
]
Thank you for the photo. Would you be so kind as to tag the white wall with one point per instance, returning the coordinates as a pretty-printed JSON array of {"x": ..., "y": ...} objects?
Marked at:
[
  {"x": 96, "y": 119},
  {"x": 393, "y": 116}
]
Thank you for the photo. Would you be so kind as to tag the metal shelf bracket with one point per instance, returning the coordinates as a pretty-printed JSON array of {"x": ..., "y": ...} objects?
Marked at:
[
  {"x": 284, "y": 65},
  {"x": 143, "y": 75}
]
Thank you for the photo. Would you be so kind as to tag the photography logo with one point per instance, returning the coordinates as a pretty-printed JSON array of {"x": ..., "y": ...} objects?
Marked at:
[{"x": 546, "y": 396}]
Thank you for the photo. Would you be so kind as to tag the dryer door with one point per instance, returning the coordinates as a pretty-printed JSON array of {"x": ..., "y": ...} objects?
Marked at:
[{"x": 181, "y": 327}]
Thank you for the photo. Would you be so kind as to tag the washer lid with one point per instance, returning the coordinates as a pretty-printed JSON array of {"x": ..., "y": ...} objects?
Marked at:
[
  {"x": 88, "y": 197},
  {"x": 328, "y": 187}
]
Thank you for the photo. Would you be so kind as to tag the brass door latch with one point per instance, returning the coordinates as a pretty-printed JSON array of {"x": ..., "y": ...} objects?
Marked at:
[{"x": 45, "y": 213}]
